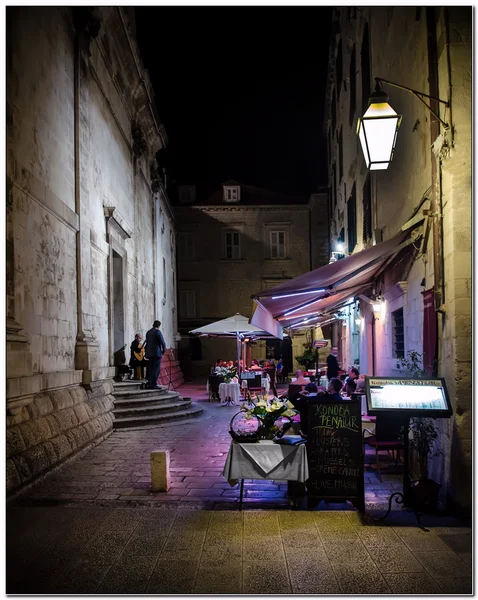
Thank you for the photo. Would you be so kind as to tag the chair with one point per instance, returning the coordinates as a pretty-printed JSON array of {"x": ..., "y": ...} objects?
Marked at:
[
  {"x": 388, "y": 436},
  {"x": 214, "y": 381}
]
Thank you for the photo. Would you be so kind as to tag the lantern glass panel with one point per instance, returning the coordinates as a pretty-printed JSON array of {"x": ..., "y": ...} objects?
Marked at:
[{"x": 378, "y": 131}]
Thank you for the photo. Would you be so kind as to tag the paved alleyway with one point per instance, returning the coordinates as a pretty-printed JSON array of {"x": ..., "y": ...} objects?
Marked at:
[{"x": 95, "y": 527}]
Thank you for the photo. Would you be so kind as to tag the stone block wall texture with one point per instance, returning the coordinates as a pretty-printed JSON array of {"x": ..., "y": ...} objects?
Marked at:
[
  {"x": 53, "y": 427},
  {"x": 68, "y": 212},
  {"x": 398, "y": 40}
]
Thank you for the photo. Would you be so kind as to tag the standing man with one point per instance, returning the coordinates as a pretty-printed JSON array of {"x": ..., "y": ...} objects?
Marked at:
[
  {"x": 332, "y": 364},
  {"x": 155, "y": 348}
]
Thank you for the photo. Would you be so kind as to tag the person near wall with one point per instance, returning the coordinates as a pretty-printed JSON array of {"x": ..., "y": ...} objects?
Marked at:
[
  {"x": 155, "y": 348},
  {"x": 270, "y": 369},
  {"x": 332, "y": 364},
  {"x": 352, "y": 375},
  {"x": 137, "y": 359}
]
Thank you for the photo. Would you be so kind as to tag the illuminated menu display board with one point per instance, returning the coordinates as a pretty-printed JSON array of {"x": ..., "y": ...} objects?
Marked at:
[{"x": 412, "y": 397}]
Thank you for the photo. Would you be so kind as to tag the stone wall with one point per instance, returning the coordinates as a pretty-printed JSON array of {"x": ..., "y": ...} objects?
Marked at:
[
  {"x": 54, "y": 426},
  {"x": 87, "y": 217},
  {"x": 224, "y": 287},
  {"x": 398, "y": 192}
]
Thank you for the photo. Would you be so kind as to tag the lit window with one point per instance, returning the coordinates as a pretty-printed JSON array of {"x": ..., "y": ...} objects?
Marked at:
[{"x": 277, "y": 244}]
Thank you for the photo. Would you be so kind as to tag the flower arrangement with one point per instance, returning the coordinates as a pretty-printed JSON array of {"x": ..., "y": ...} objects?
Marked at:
[
  {"x": 268, "y": 411},
  {"x": 229, "y": 373}
]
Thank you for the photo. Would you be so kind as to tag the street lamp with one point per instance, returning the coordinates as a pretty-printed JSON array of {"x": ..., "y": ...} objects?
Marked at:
[
  {"x": 378, "y": 128},
  {"x": 377, "y": 131}
]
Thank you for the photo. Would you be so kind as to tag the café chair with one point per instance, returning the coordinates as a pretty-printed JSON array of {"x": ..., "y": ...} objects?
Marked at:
[
  {"x": 214, "y": 381},
  {"x": 388, "y": 436}
]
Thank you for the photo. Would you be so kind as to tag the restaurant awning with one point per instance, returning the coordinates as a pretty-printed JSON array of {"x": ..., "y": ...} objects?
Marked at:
[{"x": 318, "y": 292}]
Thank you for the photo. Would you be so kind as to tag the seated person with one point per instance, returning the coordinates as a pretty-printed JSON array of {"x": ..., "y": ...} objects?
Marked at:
[
  {"x": 300, "y": 379},
  {"x": 334, "y": 387},
  {"x": 350, "y": 387},
  {"x": 218, "y": 366},
  {"x": 310, "y": 389},
  {"x": 255, "y": 365},
  {"x": 353, "y": 374}
]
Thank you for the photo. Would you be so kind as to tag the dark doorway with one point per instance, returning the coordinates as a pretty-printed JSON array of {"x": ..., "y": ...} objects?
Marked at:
[{"x": 118, "y": 302}]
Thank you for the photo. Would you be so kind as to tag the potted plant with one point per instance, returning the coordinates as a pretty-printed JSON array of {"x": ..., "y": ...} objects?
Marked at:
[
  {"x": 308, "y": 358},
  {"x": 268, "y": 412},
  {"x": 422, "y": 434}
]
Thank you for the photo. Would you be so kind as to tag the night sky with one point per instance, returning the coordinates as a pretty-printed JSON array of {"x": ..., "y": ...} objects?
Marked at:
[{"x": 240, "y": 91}]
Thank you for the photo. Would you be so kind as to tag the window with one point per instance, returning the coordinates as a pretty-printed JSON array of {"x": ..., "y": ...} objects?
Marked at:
[
  {"x": 352, "y": 220},
  {"x": 187, "y": 304},
  {"x": 338, "y": 70},
  {"x": 165, "y": 281},
  {"x": 232, "y": 193},
  {"x": 367, "y": 211},
  {"x": 365, "y": 59},
  {"x": 398, "y": 334},
  {"x": 232, "y": 244},
  {"x": 186, "y": 245},
  {"x": 277, "y": 244},
  {"x": 353, "y": 88}
]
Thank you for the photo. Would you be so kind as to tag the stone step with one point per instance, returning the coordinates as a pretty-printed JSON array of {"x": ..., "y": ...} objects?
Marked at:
[
  {"x": 145, "y": 394},
  {"x": 158, "y": 419},
  {"x": 139, "y": 401},
  {"x": 146, "y": 411},
  {"x": 130, "y": 385}
]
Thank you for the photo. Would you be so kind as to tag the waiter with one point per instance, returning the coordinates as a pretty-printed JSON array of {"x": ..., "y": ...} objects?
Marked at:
[{"x": 332, "y": 364}]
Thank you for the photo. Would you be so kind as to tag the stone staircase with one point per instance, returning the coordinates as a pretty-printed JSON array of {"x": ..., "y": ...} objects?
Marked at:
[{"x": 134, "y": 407}]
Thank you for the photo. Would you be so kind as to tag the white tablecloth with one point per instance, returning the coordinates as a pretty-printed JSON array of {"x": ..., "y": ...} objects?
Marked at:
[
  {"x": 266, "y": 460},
  {"x": 230, "y": 390}
]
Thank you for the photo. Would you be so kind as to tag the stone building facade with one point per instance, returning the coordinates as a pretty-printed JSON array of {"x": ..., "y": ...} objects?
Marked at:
[
  {"x": 427, "y": 49},
  {"x": 90, "y": 233},
  {"x": 233, "y": 244}
]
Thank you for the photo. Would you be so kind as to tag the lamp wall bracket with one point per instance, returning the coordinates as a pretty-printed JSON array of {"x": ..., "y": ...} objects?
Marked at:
[{"x": 419, "y": 95}]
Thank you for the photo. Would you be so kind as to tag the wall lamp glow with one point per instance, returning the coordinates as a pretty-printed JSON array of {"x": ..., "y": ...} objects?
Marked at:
[
  {"x": 298, "y": 294},
  {"x": 378, "y": 128}
]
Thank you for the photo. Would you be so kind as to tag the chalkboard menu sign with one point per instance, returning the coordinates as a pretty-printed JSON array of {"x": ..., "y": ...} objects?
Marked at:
[{"x": 334, "y": 450}]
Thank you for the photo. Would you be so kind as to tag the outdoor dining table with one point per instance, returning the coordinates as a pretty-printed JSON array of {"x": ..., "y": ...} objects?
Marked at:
[
  {"x": 265, "y": 460},
  {"x": 230, "y": 393}
]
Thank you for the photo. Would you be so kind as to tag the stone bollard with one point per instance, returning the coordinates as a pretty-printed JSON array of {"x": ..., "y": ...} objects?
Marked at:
[{"x": 160, "y": 480}]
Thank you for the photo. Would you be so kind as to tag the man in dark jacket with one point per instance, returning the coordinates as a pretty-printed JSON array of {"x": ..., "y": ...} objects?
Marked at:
[
  {"x": 155, "y": 348},
  {"x": 332, "y": 364}
]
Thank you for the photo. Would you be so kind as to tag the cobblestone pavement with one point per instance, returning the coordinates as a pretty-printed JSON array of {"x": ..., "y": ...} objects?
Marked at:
[{"x": 95, "y": 527}]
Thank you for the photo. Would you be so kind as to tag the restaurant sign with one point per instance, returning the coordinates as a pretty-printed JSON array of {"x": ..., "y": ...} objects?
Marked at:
[
  {"x": 321, "y": 343},
  {"x": 408, "y": 396}
]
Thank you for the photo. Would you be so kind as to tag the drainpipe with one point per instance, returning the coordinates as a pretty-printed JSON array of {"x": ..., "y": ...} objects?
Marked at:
[
  {"x": 436, "y": 196},
  {"x": 76, "y": 133}
]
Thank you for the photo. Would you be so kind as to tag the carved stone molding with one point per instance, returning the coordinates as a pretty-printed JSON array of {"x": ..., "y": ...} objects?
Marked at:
[
  {"x": 13, "y": 332},
  {"x": 156, "y": 178},
  {"x": 139, "y": 141},
  {"x": 116, "y": 221}
]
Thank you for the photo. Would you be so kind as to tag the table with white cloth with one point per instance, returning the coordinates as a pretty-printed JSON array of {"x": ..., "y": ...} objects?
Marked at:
[
  {"x": 230, "y": 393},
  {"x": 265, "y": 460}
]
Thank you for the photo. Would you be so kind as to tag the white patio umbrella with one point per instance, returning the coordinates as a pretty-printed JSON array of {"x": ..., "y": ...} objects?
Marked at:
[{"x": 236, "y": 326}]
